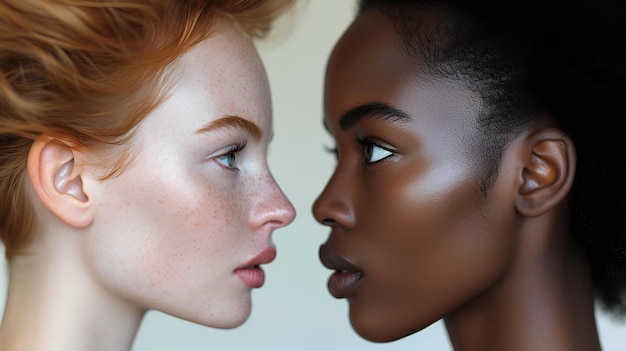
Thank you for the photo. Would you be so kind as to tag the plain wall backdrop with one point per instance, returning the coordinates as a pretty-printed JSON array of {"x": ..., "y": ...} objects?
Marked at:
[{"x": 293, "y": 310}]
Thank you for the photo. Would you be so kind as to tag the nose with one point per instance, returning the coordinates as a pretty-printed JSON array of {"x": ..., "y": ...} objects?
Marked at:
[
  {"x": 272, "y": 208},
  {"x": 334, "y": 206}
]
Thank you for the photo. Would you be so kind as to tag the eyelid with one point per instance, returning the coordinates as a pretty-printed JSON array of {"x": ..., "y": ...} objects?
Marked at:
[{"x": 370, "y": 141}]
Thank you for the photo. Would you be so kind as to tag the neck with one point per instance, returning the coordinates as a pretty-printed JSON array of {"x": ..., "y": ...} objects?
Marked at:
[
  {"x": 54, "y": 304},
  {"x": 545, "y": 302}
]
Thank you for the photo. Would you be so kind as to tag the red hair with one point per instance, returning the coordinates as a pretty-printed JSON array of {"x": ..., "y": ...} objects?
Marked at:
[{"x": 89, "y": 72}]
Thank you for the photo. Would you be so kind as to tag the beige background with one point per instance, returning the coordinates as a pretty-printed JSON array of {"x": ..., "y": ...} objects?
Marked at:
[{"x": 294, "y": 311}]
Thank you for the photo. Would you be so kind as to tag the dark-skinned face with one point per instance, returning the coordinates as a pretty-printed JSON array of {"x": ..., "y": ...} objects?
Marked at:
[{"x": 412, "y": 237}]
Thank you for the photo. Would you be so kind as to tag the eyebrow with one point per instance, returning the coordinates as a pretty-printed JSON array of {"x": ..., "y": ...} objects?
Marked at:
[
  {"x": 377, "y": 110},
  {"x": 233, "y": 122}
]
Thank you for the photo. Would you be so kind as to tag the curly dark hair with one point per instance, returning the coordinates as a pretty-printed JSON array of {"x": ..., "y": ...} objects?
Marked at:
[{"x": 528, "y": 60}]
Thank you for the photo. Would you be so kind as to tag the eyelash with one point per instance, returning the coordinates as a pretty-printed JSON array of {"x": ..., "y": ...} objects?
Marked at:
[
  {"x": 232, "y": 151},
  {"x": 332, "y": 150}
]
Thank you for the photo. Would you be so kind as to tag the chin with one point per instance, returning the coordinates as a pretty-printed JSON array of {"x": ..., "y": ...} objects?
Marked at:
[
  {"x": 378, "y": 336},
  {"x": 226, "y": 317},
  {"x": 380, "y": 331},
  {"x": 231, "y": 321}
]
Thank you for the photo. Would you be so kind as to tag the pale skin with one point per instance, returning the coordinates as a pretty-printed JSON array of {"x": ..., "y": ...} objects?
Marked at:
[
  {"x": 412, "y": 239},
  {"x": 183, "y": 229}
]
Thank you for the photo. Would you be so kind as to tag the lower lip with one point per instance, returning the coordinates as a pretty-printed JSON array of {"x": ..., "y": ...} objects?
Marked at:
[
  {"x": 344, "y": 284},
  {"x": 252, "y": 277}
]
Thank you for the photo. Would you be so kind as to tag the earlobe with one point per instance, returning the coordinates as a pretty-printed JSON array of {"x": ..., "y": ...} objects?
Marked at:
[
  {"x": 58, "y": 182},
  {"x": 548, "y": 172}
]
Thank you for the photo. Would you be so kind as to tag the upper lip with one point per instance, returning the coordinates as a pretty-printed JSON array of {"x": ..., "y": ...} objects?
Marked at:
[
  {"x": 332, "y": 259},
  {"x": 267, "y": 255}
]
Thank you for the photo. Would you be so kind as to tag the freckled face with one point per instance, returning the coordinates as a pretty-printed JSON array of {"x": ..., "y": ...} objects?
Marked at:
[
  {"x": 411, "y": 235},
  {"x": 198, "y": 203}
]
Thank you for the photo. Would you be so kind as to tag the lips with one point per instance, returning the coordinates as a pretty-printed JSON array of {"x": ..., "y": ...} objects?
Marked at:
[
  {"x": 347, "y": 277},
  {"x": 251, "y": 273}
]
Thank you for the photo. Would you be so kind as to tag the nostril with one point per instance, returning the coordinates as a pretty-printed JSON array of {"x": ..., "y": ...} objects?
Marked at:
[{"x": 329, "y": 221}]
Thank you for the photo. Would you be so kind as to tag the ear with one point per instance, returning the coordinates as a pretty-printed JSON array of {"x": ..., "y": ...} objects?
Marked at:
[
  {"x": 548, "y": 172},
  {"x": 57, "y": 181}
]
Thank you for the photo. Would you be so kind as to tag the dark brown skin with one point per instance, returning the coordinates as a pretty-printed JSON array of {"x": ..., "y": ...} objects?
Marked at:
[{"x": 410, "y": 225}]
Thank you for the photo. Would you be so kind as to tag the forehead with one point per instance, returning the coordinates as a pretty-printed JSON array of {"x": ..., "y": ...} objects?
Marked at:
[
  {"x": 222, "y": 76},
  {"x": 224, "y": 61},
  {"x": 367, "y": 55},
  {"x": 370, "y": 64}
]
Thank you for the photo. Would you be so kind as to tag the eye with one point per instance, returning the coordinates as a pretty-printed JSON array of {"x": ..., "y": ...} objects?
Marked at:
[
  {"x": 375, "y": 152},
  {"x": 229, "y": 159}
]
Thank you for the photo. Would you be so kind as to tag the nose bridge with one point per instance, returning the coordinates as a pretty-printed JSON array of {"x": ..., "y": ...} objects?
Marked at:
[
  {"x": 270, "y": 205},
  {"x": 335, "y": 205}
]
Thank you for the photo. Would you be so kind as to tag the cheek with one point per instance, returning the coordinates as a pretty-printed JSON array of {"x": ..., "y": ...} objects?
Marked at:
[
  {"x": 167, "y": 236},
  {"x": 430, "y": 245},
  {"x": 440, "y": 217},
  {"x": 202, "y": 212},
  {"x": 181, "y": 213}
]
